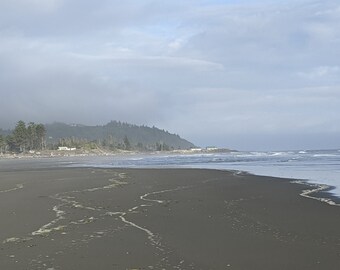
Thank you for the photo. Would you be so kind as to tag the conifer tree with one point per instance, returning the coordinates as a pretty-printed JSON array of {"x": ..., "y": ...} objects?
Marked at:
[
  {"x": 41, "y": 133},
  {"x": 2, "y": 144},
  {"x": 20, "y": 136},
  {"x": 127, "y": 143}
]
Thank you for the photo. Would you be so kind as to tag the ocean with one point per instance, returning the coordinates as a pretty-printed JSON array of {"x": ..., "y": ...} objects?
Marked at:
[{"x": 312, "y": 166}]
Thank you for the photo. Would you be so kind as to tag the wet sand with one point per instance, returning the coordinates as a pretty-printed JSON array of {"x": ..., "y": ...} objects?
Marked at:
[{"x": 91, "y": 218}]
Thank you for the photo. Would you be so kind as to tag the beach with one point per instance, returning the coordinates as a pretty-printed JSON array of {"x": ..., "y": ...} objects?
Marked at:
[{"x": 97, "y": 218}]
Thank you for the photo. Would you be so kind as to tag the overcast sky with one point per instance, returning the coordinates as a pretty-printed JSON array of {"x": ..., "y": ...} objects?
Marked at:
[{"x": 251, "y": 74}]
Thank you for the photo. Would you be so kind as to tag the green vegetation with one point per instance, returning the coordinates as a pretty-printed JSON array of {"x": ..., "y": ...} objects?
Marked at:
[
  {"x": 111, "y": 137},
  {"x": 114, "y": 136},
  {"x": 24, "y": 138},
  {"x": 2, "y": 144}
]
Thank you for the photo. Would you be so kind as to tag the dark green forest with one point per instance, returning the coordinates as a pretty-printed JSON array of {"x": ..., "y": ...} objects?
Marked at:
[
  {"x": 112, "y": 136},
  {"x": 23, "y": 138}
]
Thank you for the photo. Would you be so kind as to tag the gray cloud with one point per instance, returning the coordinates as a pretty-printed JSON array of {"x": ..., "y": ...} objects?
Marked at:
[{"x": 217, "y": 72}]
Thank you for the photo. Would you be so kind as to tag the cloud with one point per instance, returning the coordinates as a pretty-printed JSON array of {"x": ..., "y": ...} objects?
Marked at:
[
  {"x": 208, "y": 70},
  {"x": 305, "y": 109},
  {"x": 159, "y": 62},
  {"x": 321, "y": 72}
]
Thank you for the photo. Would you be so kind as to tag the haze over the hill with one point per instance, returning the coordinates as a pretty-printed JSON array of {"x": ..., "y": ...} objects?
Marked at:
[
  {"x": 242, "y": 74},
  {"x": 114, "y": 133}
]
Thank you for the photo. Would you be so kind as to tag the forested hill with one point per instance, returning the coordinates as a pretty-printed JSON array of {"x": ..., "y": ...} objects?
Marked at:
[{"x": 115, "y": 134}]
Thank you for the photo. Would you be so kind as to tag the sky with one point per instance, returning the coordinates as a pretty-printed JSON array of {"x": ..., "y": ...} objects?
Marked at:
[{"x": 247, "y": 75}]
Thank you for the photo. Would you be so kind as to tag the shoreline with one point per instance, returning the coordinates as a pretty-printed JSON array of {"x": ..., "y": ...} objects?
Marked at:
[
  {"x": 121, "y": 218},
  {"x": 322, "y": 192},
  {"x": 319, "y": 192},
  {"x": 102, "y": 152}
]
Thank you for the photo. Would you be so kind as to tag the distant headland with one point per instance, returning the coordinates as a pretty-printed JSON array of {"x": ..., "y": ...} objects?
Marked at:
[{"x": 114, "y": 137}]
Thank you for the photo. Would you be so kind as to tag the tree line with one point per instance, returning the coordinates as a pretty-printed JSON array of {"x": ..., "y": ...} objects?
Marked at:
[
  {"x": 118, "y": 135},
  {"x": 112, "y": 136},
  {"x": 109, "y": 143},
  {"x": 24, "y": 138}
]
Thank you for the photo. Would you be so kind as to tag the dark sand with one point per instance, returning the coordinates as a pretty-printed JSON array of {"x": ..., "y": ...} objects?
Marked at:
[{"x": 85, "y": 218}]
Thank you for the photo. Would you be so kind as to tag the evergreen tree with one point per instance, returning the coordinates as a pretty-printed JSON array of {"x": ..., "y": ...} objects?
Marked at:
[
  {"x": 10, "y": 142},
  {"x": 20, "y": 136},
  {"x": 32, "y": 135},
  {"x": 127, "y": 143},
  {"x": 41, "y": 134},
  {"x": 2, "y": 144},
  {"x": 23, "y": 138}
]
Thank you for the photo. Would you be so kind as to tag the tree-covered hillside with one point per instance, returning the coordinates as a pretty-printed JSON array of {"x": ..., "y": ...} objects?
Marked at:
[
  {"x": 116, "y": 135},
  {"x": 112, "y": 136}
]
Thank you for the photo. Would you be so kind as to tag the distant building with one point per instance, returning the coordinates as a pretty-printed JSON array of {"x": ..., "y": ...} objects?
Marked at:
[
  {"x": 211, "y": 148},
  {"x": 196, "y": 149},
  {"x": 65, "y": 148}
]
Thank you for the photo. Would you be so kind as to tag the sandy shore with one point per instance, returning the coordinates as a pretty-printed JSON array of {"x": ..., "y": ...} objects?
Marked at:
[{"x": 86, "y": 218}]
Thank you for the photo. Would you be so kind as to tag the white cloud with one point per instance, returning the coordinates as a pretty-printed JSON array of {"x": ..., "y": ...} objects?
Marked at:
[
  {"x": 161, "y": 62},
  {"x": 321, "y": 72},
  {"x": 175, "y": 45},
  {"x": 198, "y": 70}
]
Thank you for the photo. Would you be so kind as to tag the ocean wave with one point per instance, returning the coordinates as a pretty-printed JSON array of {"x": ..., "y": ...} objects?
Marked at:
[
  {"x": 325, "y": 155},
  {"x": 317, "y": 166}
]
